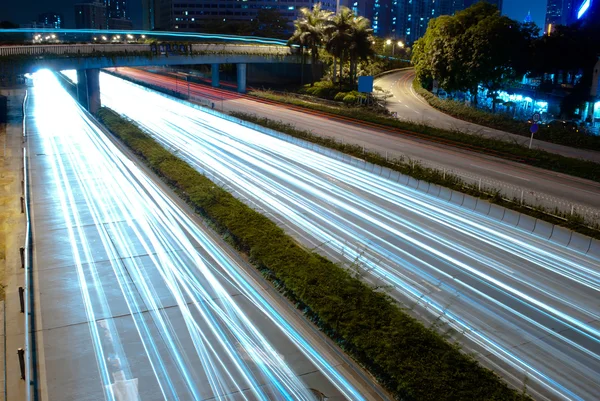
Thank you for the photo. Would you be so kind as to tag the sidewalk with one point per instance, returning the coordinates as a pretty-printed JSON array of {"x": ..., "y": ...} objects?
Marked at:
[{"x": 12, "y": 236}]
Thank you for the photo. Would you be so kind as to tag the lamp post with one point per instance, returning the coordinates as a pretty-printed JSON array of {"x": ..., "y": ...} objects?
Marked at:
[{"x": 394, "y": 44}]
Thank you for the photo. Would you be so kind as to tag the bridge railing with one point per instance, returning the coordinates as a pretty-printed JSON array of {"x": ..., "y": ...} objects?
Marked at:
[
  {"x": 87, "y": 49},
  {"x": 72, "y": 49},
  {"x": 241, "y": 49}
]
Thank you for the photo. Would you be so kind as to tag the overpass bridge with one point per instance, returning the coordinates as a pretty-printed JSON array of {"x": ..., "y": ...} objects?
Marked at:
[{"x": 89, "y": 58}]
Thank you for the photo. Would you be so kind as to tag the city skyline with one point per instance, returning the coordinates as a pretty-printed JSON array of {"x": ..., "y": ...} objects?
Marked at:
[{"x": 28, "y": 10}]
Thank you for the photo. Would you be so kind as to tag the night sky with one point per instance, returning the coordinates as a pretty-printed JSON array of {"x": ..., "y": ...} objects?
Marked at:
[{"x": 22, "y": 11}]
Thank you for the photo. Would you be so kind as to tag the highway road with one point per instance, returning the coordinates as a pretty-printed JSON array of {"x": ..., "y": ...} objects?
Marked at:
[
  {"x": 412, "y": 107},
  {"x": 497, "y": 172},
  {"x": 524, "y": 306},
  {"x": 137, "y": 300}
]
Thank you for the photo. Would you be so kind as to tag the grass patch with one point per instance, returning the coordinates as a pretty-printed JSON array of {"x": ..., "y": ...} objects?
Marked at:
[
  {"x": 412, "y": 361},
  {"x": 507, "y": 150},
  {"x": 553, "y": 134},
  {"x": 418, "y": 171}
]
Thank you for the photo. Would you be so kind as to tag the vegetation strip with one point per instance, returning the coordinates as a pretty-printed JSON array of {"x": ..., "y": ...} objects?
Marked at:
[
  {"x": 463, "y": 112},
  {"x": 418, "y": 171},
  {"x": 412, "y": 361},
  {"x": 477, "y": 143}
]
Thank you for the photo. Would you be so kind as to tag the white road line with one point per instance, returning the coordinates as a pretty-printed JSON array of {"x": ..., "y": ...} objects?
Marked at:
[{"x": 500, "y": 172}]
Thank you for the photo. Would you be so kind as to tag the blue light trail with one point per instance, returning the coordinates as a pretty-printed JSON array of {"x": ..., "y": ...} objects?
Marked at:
[
  {"x": 521, "y": 302},
  {"x": 191, "y": 304}
]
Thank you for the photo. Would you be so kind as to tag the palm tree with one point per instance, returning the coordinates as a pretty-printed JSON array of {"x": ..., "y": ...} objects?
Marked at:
[
  {"x": 361, "y": 44},
  {"x": 309, "y": 33},
  {"x": 338, "y": 33}
]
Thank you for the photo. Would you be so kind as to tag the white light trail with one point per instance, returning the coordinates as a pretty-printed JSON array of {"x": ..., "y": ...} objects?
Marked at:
[
  {"x": 176, "y": 281},
  {"x": 526, "y": 301}
]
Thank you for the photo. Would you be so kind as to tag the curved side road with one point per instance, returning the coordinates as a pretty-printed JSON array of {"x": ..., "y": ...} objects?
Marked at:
[{"x": 412, "y": 107}]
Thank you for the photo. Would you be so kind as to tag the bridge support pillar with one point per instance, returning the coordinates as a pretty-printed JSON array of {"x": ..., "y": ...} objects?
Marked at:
[
  {"x": 241, "y": 77},
  {"x": 214, "y": 72},
  {"x": 88, "y": 89}
]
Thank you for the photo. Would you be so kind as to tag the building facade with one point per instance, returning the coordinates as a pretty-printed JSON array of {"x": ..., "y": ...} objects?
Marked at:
[
  {"x": 411, "y": 17},
  {"x": 90, "y": 15},
  {"x": 55, "y": 20},
  {"x": 116, "y": 9},
  {"x": 192, "y": 15},
  {"x": 567, "y": 12}
]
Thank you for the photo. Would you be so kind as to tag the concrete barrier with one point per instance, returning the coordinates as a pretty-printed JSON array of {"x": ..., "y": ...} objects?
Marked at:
[
  {"x": 434, "y": 190},
  {"x": 394, "y": 176},
  {"x": 469, "y": 202},
  {"x": 403, "y": 179},
  {"x": 561, "y": 235},
  {"x": 423, "y": 186},
  {"x": 445, "y": 193},
  {"x": 543, "y": 229},
  {"x": 580, "y": 242},
  {"x": 526, "y": 223},
  {"x": 457, "y": 198},
  {"x": 413, "y": 183},
  {"x": 483, "y": 207},
  {"x": 511, "y": 217},
  {"x": 594, "y": 250},
  {"x": 496, "y": 212}
]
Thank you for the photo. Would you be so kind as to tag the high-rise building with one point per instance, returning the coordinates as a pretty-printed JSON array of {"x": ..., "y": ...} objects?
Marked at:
[
  {"x": 469, "y": 3},
  {"x": 148, "y": 14},
  {"x": 379, "y": 12},
  {"x": 116, "y": 9},
  {"x": 566, "y": 12},
  {"x": 192, "y": 15},
  {"x": 584, "y": 11},
  {"x": 55, "y": 20},
  {"x": 90, "y": 15},
  {"x": 557, "y": 13},
  {"x": 411, "y": 17}
]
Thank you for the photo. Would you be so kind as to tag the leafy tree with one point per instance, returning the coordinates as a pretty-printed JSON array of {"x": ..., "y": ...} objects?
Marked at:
[
  {"x": 309, "y": 33},
  {"x": 475, "y": 47},
  {"x": 361, "y": 44},
  {"x": 338, "y": 32}
]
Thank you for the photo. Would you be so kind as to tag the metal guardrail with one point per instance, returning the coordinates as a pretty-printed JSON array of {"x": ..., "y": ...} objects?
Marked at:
[
  {"x": 87, "y": 49},
  {"x": 27, "y": 353}
]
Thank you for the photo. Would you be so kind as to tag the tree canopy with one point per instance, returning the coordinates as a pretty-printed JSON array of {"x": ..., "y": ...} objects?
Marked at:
[
  {"x": 477, "y": 46},
  {"x": 347, "y": 37}
]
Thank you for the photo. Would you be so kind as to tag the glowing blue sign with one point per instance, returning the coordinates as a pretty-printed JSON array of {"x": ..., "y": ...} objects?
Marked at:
[{"x": 584, "y": 7}]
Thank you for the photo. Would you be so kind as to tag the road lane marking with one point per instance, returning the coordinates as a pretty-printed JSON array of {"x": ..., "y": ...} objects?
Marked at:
[{"x": 500, "y": 172}]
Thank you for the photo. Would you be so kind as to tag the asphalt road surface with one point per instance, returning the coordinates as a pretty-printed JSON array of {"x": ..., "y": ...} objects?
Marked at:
[
  {"x": 525, "y": 306},
  {"x": 470, "y": 164},
  {"x": 412, "y": 107},
  {"x": 137, "y": 301}
]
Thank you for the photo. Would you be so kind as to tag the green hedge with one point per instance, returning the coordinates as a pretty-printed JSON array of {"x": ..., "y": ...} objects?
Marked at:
[
  {"x": 552, "y": 134},
  {"x": 412, "y": 361},
  {"x": 476, "y": 143}
]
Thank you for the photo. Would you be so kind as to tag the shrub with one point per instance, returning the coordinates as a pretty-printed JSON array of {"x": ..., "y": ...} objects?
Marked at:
[
  {"x": 497, "y": 148},
  {"x": 549, "y": 133},
  {"x": 340, "y": 96},
  {"x": 350, "y": 99}
]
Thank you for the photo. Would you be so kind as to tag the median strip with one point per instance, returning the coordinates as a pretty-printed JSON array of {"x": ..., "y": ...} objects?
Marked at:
[
  {"x": 414, "y": 169},
  {"x": 410, "y": 360},
  {"x": 476, "y": 143}
]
